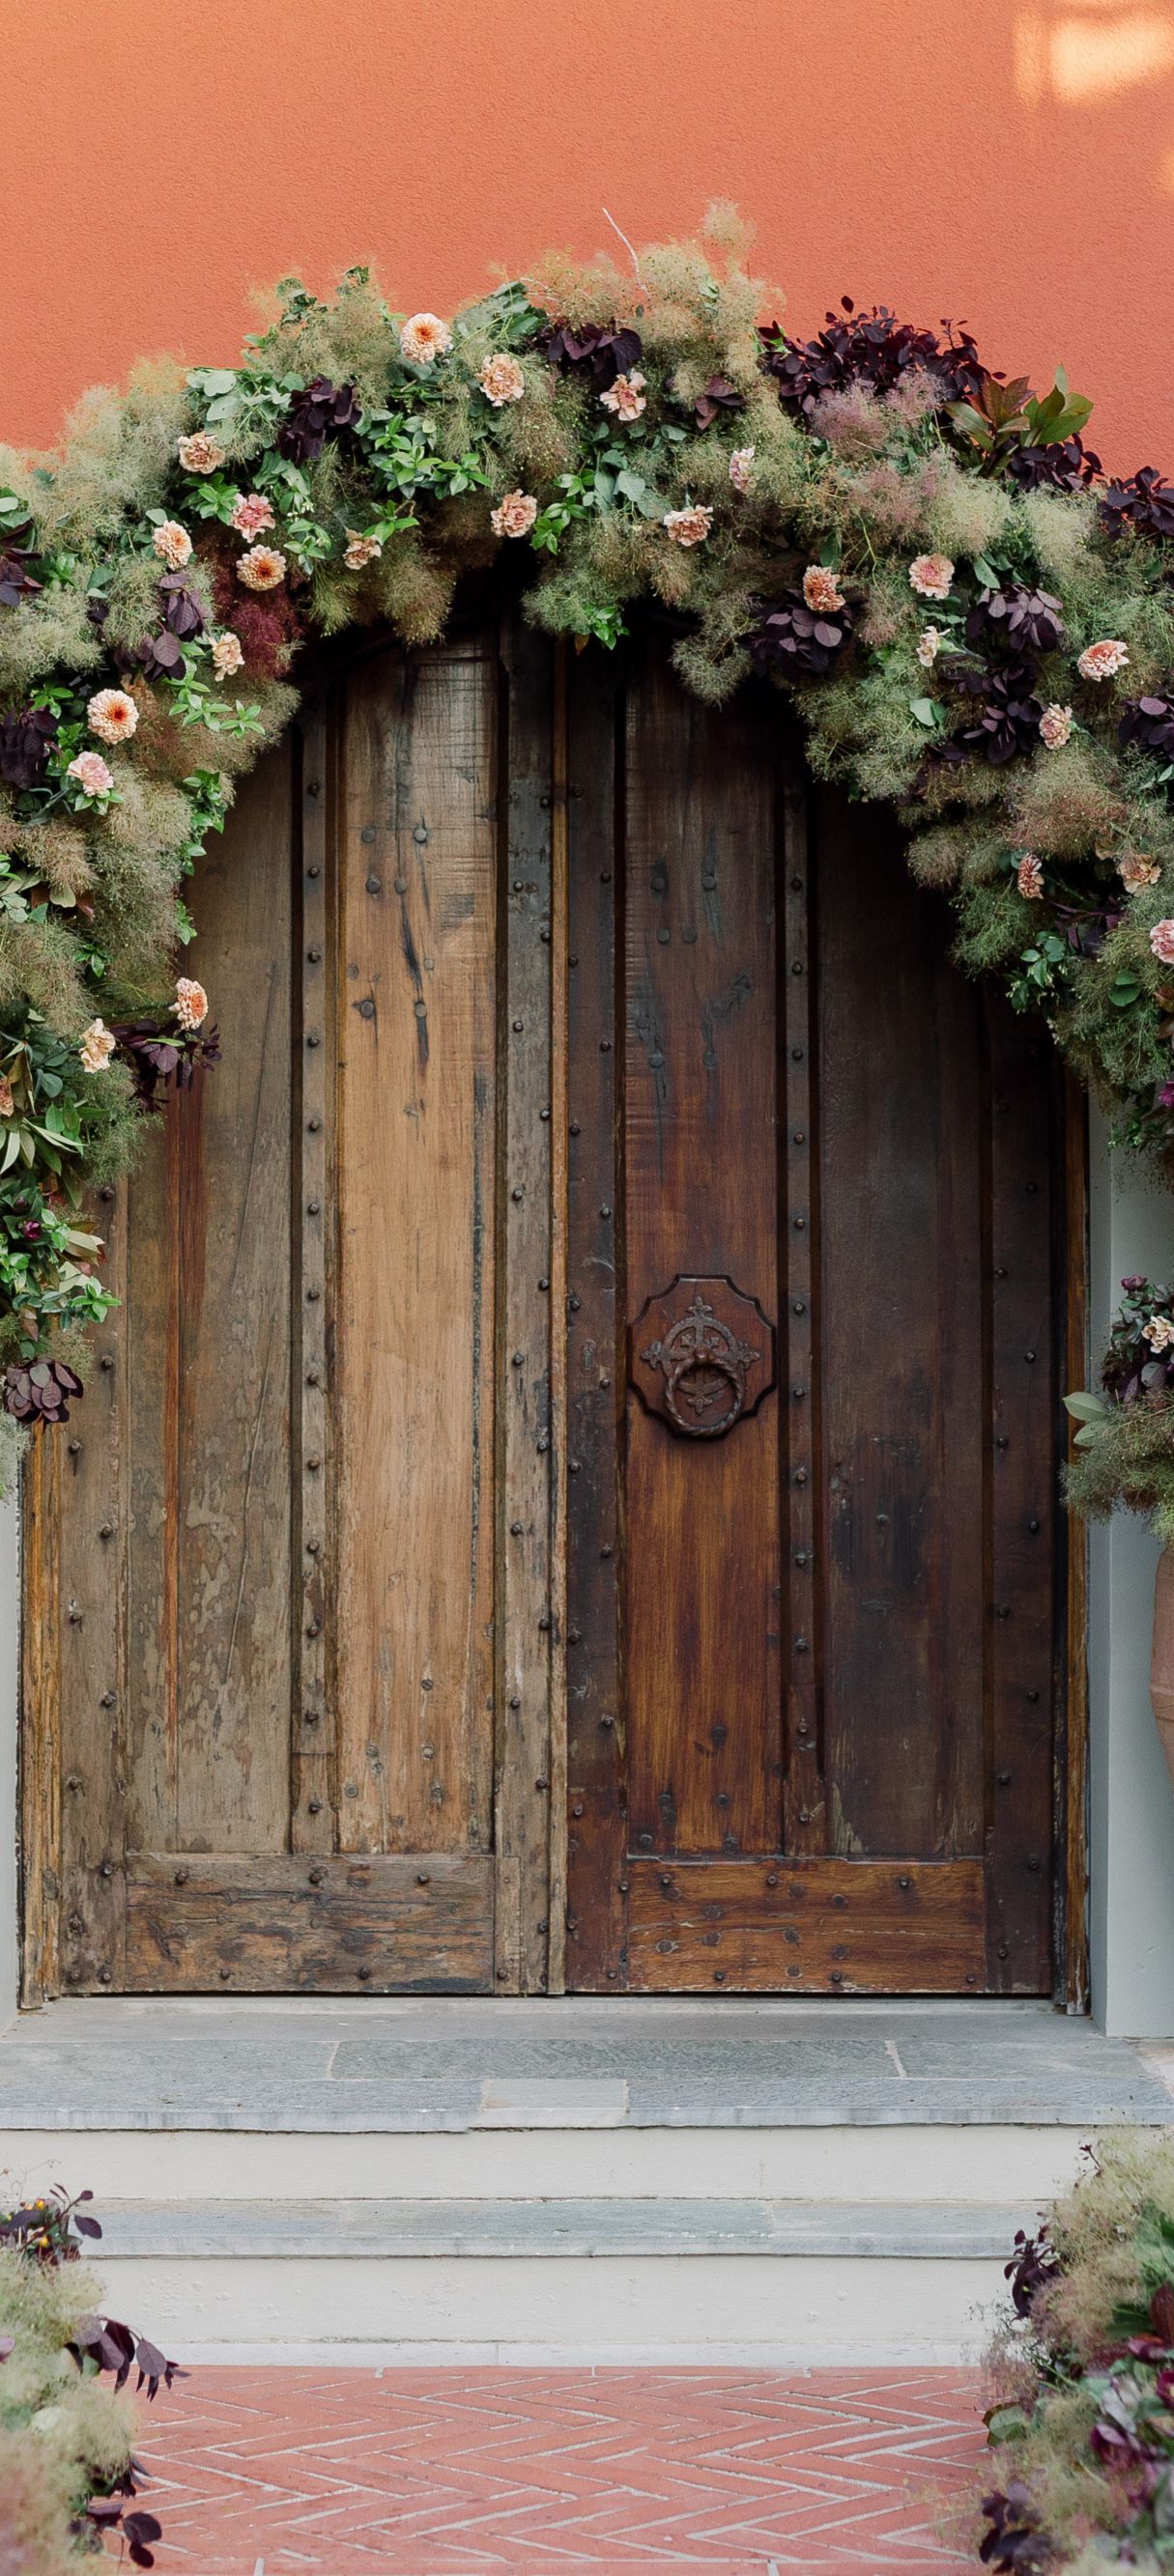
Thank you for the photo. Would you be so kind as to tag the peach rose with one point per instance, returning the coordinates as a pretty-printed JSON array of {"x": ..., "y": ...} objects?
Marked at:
[
  {"x": 1162, "y": 942},
  {"x": 689, "y": 527},
  {"x": 424, "y": 337},
  {"x": 97, "y": 1047},
  {"x": 1159, "y": 1332},
  {"x": 201, "y": 453},
  {"x": 251, "y": 514},
  {"x": 263, "y": 568},
  {"x": 1137, "y": 872},
  {"x": 501, "y": 380},
  {"x": 190, "y": 1004},
  {"x": 740, "y": 464},
  {"x": 515, "y": 515},
  {"x": 1055, "y": 725},
  {"x": 929, "y": 645},
  {"x": 1101, "y": 661},
  {"x": 360, "y": 550},
  {"x": 227, "y": 654},
  {"x": 821, "y": 590},
  {"x": 92, "y": 773},
  {"x": 626, "y": 397},
  {"x": 1029, "y": 877},
  {"x": 112, "y": 715},
  {"x": 931, "y": 575}
]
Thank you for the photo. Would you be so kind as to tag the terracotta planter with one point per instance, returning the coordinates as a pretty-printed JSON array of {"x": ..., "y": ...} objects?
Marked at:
[{"x": 1162, "y": 1658}]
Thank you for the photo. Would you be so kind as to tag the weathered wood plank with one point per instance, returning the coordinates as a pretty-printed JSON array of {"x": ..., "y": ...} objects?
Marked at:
[
  {"x": 802, "y": 1583},
  {"x": 417, "y": 1210},
  {"x": 807, "y": 1926},
  {"x": 92, "y": 1614},
  {"x": 597, "y": 1813},
  {"x": 40, "y": 1746},
  {"x": 1072, "y": 1676},
  {"x": 560, "y": 977},
  {"x": 288, "y": 1923},
  {"x": 313, "y": 1819},
  {"x": 702, "y": 1650},
  {"x": 523, "y": 1815},
  {"x": 151, "y": 1396}
]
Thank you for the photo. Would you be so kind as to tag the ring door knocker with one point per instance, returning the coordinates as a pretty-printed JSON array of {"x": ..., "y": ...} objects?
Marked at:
[{"x": 701, "y": 1356}]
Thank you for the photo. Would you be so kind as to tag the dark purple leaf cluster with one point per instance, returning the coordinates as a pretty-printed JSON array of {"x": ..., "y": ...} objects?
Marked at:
[
  {"x": 1006, "y": 723},
  {"x": 1033, "y": 2264},
  {"x": 185, "y": 613},
  {"x": 108, "y": 2345},
  {"x": 157, "y": 1055},
  {"x": 161, "y": 656},
  {"x": 1134, "y": 1372},
  {"x": 1067, "y": 465},
  {"x": 600, "y": 351},
  {"x": 1016, "y": 620},
  {"x": 718, "y": 396},
  {"x": 108, "y": 2513},
  {"x": 26, "y": 739},
  {"x": 795, "y": 640},
  {"x": 1015, "y": 2544},
  {"x": 1142, "y": 502},
  {"x": 1148, "y": 723},
  {"x": 16, "y": 581},
  {"x": 44, "y": 2229},
  {"x": 872, "y": 349},
  {"x": 320, "y": 411},
  {"x": 42, "y": 1392}
]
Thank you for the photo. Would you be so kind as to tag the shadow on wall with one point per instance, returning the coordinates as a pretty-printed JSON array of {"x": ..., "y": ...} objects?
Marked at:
[{"x": 1009, "y": 163}]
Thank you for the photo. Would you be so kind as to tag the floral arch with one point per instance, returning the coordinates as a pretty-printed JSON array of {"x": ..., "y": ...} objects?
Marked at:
[{"x": 975, "y": 626}]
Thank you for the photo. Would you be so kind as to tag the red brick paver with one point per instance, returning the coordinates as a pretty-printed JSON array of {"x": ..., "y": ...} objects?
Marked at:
[{"x": 276, "y": 2472}]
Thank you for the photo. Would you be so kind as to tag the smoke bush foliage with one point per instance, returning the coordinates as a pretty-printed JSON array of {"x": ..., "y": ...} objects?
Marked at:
[{"x": 919, "y": 553}]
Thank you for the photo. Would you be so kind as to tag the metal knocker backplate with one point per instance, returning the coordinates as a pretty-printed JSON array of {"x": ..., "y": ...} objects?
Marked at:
[{"x": 701, "y": 1356}]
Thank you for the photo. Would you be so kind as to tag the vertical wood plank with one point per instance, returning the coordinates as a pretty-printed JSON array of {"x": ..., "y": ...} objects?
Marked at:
[
  {"x": 151, "y": 1373},
  {"x": 597, "y": 1878},
  {"x": 314, "y": 1763},
  {"x": 523, "y": 1739},
  {"x": 560, "y": 973},
  {"x": 40, "y": 1743},
  {"x": 800, "y": 1391},
  {"x": 1073, "y": 1677},
  {"x": 415, "y": 1300},
  {"x": 92, "y": 1612},
  {"x": 1022, "y": 1486}
]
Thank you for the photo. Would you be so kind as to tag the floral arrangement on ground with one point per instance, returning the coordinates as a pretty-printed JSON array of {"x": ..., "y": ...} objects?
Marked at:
[
  {"x": 973, "y": 623},
  {"x": 68, "y": 2471},
  {"x": 1079, "y": 2471}
]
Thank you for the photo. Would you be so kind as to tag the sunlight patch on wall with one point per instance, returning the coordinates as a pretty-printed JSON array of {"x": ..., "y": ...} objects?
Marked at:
[{"x": 1079, "y": 60}]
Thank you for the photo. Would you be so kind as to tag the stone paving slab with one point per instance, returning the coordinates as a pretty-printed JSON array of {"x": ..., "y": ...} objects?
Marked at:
[
  {"x": 501, "y": 2229},
  {"x": 469, "y": 2472},
  {"x": 423, "y": 2063}
]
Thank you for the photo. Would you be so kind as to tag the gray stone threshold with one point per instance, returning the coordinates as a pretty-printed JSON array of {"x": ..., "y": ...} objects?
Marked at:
[
  {"x": 420, "y": 2064},
  {"x": 366, "y": 2230}
]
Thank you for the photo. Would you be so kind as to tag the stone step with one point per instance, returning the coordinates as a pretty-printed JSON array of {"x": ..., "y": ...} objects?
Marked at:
[{"x": 359, "y": 2231}]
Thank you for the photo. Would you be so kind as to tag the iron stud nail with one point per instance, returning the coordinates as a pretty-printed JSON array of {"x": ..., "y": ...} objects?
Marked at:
[
  {"x": 107, "y": 1700},
  {"x": 1033, "y": 1526},
  {"x": 316, "y": 1877},
  {"x": 314, "y": 1125},
  {"x": 544, "y": 1283},
  {"x": 366, "y": 1010},
  {"x": 107, "y": 1360},
  {"x": 1031, "y": 1695},
  {"x": 313, "y": 1207},
  {"x": 313, "y": 1039},
  {"x": 400, "y": 884},
  {"x": 313, "y": 1462},
  {"x": 423, "y": 1878},
  {"x": 315, "y": 956},
  {"x": 365, "y": 1975},
  {"x": 515, "y": 1529},
  {"x": 606, "y": 1551},
  {"x": 542, "y": 1782},
  {"x": 106, "y": 1193},
  {"x": 313, "y": 1806},
  {"x": 105, "y": 1977},
  {"x": 518, "y": 1027},
  {"x": 519, "y": 1359},
  {"x": 75, "y": 1448},
  {"x": 607, "y": 1719},
  {"x": 181, "y": 1878},
  {"x": 313, "y": 870},
  {"x": 517, "y": 1197},
  {"x": 368, "y": 832},
  {"x": 1029, "y": 1356},
  {"x": 515, "y": 1700},
  {"x": 105, "y": 1869},
  {"x": 577, "y": 1809},
  {"x": 374, "y": 885},
  {"x": 575, "y": 1128}
]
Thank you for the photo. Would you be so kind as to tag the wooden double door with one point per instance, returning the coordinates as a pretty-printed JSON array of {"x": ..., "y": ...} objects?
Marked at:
[{"x": 569, "y": 1495}]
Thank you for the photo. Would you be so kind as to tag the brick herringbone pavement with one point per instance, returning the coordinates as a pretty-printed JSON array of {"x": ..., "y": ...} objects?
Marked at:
[{"x": 275, "y": 2472}]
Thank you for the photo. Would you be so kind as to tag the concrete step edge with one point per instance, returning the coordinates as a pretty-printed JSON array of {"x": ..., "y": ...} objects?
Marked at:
[{"x": 395, "y": 2230}]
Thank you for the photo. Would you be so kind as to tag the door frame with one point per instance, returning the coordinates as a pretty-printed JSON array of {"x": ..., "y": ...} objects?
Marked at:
[{"x": 531, "y": 1818}]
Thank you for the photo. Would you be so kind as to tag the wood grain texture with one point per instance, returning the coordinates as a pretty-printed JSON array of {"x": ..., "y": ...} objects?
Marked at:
[
  {"x": 801, "y": 1407},
  {"x": 704, "y": 1746},
  {"x": 523, "y": 1806},
  {"x": 805, "y": 1926},
  {"x": 314, "y": 1700},
  {"x": 286, "y": 1924},
  {"x": 560, "y": 976},
  {"x": 1072, "y": 1655},
  {"x": 40, "y": 1741},
  {"x": 92, "y": 1457},
  {"x": 413, "y": 1374}
]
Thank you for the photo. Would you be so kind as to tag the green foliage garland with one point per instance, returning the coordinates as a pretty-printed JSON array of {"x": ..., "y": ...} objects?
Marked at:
[{"x": 973, "y": 626}]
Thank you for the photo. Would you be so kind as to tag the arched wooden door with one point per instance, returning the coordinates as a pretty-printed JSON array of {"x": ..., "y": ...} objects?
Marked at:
[{"x": 570, "y": 1492}]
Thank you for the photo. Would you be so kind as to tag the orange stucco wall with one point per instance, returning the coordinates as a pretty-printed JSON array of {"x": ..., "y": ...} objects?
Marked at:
[{"x": 1010, "y": 161}]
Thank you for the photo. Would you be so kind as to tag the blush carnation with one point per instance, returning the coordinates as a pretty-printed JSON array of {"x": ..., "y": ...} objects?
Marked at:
[
  {"x": 263, "y": 568},
  {"x": 929, "y": 645},
  {"x": 1029, "y": 877},
  {"x": 191, "y": 1003},
  {"x": 174, "y": 544},
  {"x": 92, "y": 773},
  {"x": 689, "y": 527},
  {"x": 1101, "y": 661},
  {"x": 424, "y": 337},
  {"x": 1136, "y": 871},
  {"x": 112, "y": 715},
  {"x": 251, "y": 514},
  {"x": 1055, "y": 725},
  {"x": 7, "y": 1103},
  {"x": 931, "y": 575},
  {"x": 97, "y": 1047},
  {"x": 227, "y": 654},
  {"x": 1159, "y": 1332},
  {"x": 360, "y": 551},
  {"x": 740, "y": 464},
  {"x": 626, "y": 396},
  {"x": 501, "y": 380},
  {"x": 1162, "y": 942},
  {"x": 515, "y": 515},
  {"x": 821, "y": 590},
  {"x": 201, "y": 453}
]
